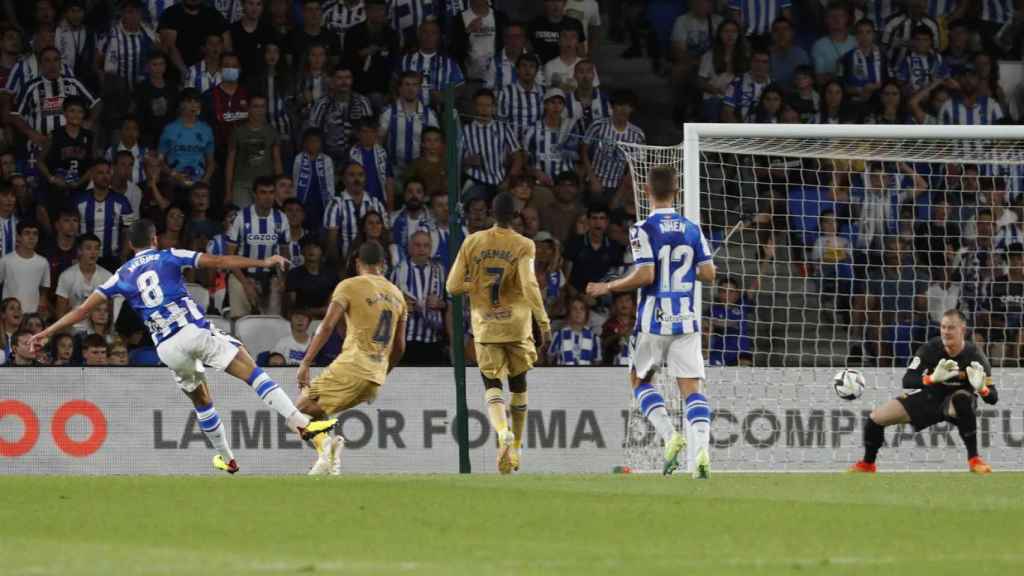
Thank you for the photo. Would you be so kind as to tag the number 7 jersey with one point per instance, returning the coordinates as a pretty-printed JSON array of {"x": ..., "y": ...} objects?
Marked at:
[
  {"x": 675, "y": 247},
  {"x": 153, "y": 286}
]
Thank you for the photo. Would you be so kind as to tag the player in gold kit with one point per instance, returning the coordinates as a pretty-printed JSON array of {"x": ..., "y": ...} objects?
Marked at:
[
  {"x": 374, "y": 314},
  {"x": 495, "y": 267}
]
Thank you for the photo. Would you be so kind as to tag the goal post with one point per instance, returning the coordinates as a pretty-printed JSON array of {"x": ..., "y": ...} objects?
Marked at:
[{"x": 850, "y": 241}]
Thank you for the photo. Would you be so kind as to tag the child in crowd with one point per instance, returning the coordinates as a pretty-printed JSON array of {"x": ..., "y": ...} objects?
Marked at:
[
  {"x": 576, "y": 344},
  {"x": 293, "y": 347}
]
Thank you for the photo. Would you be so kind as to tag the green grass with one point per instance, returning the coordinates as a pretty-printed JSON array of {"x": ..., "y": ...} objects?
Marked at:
[{"x": 904, "y": 524}]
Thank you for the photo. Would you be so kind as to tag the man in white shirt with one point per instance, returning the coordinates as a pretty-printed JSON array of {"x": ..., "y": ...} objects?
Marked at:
[
  {"x": 560, "y": 71},
  {"x": 79, "y": 280},
  {"x": 25, "y": 274},
  {"x": 293, "y": 346}
]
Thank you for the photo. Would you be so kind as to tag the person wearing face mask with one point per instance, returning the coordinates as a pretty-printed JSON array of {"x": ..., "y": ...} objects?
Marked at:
[{"x": 226, "y": 105}]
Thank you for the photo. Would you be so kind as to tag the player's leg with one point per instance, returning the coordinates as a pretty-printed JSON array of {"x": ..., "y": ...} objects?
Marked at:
[
  {"x": 892, "y": 412},
  {"x": 648, "y": 355},
  {"x": 960, "y": 409},
  {"x": 521, "y": 358},
  {"x": 211, "y": 425},
  {"x": 686, "y": 365},
  {"x": 328, "y": 395},
  {"x": 493, "y": 363}
]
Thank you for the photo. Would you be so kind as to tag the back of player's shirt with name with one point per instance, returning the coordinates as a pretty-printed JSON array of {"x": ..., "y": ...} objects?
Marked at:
[
  {"x": 373, "y": 307},
  {"x": 153, "y": 286},
  {"x": 675, "y": 247},
  {"x": 503, "y": 302}
]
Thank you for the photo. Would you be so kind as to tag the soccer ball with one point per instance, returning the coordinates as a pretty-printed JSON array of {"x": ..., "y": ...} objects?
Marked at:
[{"x": 849, "y": 384}]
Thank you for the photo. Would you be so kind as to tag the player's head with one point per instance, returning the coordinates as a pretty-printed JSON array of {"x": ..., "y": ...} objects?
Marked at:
[
  {"x": 663, "y": 182},
  {"x": 504, "y": 209},
  {"x": 953, "y": 328},
  {"x": 142, "y": 235},
  {"x": 370, "y": 258}
]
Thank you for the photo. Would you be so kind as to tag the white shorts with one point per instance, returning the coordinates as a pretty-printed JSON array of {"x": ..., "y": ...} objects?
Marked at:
[
  {"x": 682, "y": 353},
  {"x": 191, "y": 348}
]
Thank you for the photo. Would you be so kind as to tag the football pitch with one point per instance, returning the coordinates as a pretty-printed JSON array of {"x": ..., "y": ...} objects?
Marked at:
[{"x": 904, "y": 524}]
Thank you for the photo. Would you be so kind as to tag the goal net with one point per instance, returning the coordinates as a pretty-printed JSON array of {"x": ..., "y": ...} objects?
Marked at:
[{"x": 854, "y": 241}]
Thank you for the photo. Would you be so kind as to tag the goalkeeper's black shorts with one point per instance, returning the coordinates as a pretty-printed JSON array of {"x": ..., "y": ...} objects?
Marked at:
[{"x": 927, "y": 407}]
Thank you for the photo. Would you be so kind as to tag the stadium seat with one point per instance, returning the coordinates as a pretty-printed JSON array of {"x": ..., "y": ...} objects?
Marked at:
[
  {"x": 260, "y": 333},
  {"x": 200, "y": 294},
  {"x": 222, "y": 323}
]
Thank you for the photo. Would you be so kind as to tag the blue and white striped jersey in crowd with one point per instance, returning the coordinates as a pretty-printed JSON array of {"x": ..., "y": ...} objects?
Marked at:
[
  {"x": 403, "y": 225},
  {"x": 1007, "y": 236},
  {"x": 24, "y": 72},
  {"x": 200, "y": 78},
  {"x": 897, "y": 35},
  {"x": 493, "y": 142},
  {"x": 343, "y": 214},
  {"x": 521, "y": 106},
  {"x": 152, "y": 284},
  {"x": 575, "y": 347},
  {"x": 340, "y": 15},
  {"x": 125, "y": 53},
  {"x": 41, "y": 103},
  {"x": 609, "y": 164},
  {"x": 402, "y": 129},
  {"x": 218, "y": 245},
  {"x": 421, "y": 282},
  {"x": 438, "y": 71},
  {"x": 758, "y": 15},
  {"x": 316, "y": 87},
  {"x": 676, "y": 247},
  {"x": 259, "y": 236},
  {"x": 553, "y": 150},
  {"x": 337, "y": 119},
  {"x": 501, "y": 72},
  {"x": 1013, "y": 174},
  {"x": 295, "y": 257},
  {"x": 941, "y": 8},
  {"x": 880, "y": 11},
  {"x": 439, "y": 243},
  {"x": 743, "y": 94},
  {"x": 999, "y": 11},
  {"x": 624, "y": 353},
  {"x": 858, "y": 69},
  {"x": 152, "y": 10},
  {"x": 586, "y": 114},
  {"x": 231, "y": 10},
  {"x": 377, "y": 167},
  {"x": 103, "y": 217},
  {"x": 985, "y": 111},
  {"x": 919, "y": 70},
  {"x": 277, "y": 110},
  {"x": 8, "y": 233},
  {"x": 138, "y": 152},
  {"x": 406, "y": 14}
]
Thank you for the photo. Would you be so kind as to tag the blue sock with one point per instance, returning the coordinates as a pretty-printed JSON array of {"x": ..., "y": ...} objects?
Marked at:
[
  {"x": 652, "y": 406},
  {"x": 210, "y": 424}
]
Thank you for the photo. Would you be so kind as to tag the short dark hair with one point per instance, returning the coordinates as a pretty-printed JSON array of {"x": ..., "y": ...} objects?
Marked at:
[
  {"x": 87, "y": 237},
  {"x": 124, "y": 154},
  {"x": 864, "y": 22},
  {"x": 407, "y": 74},
  {"x": 69, "y": 211},
  {"x": 955, "y": 312},
  {"x": 94, "y": 341},
  {"x": 311, "y": 132},
  {"x": 484, "y": 92},
  {"x": 74, "y": 100},
  {"x": 663, "y": 181},
  {"x": 290, "y": 201},
  {"x": 504, "y": 208},
  {"x": 371, "y": 253},
  {"x": 625, "y": 98},
  {"x": 922, "y": 30},
  {"x": 431, "y": 130},
  {"x": 18, "y": 334},
  {"x": 567, "y": 176},
  {"x": 26, "y": 225},
  {"x": 597, "y": 208},
  {"x": 262, "y": 182},
  {"x": 141, "y": 233}
]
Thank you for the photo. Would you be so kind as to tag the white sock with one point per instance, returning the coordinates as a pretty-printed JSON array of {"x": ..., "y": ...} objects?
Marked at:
[
  {"x": 210, "y": 424},
  {"x": 691, "y": 447},
  {"x": 273, "y": 396},
  {"x": 662, "y": 422},
  {"x": 220, "y": 442},
  {"x": 701, "y": 436}
]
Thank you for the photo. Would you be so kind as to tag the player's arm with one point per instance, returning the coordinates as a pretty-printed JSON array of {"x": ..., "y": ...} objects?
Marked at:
[
  {"x": 918, "y": 375},
  {"x": 531, "y": 292},
  {"x": 68, "y": 320},
  {"x": 457, "y": 282},
  {"x": 335, "y": 311},
  {"x": 397, "y": 344},
  {"x": 979, "y": 375},
  {"x": 643, "y": 267},
  {"x": 238, "y": 262}
]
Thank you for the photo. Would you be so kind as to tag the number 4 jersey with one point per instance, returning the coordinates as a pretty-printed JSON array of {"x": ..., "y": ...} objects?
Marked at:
[
  {"x": 373, "y": 308},
  {"x": 675, "y": 247},
  {"x": 152, "y": 284}
]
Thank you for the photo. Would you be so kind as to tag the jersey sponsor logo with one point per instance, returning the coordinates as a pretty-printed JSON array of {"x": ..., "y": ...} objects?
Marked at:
[
  {"x": 234, "y": 116},
  {"x": 255, "y": 238},
  {"x": 52, "y": 104},
  {"x": 662, "y": 317}
]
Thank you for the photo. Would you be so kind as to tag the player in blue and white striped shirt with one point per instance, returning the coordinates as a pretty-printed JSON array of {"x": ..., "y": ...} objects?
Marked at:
[
  {"x": 402, "y": 122},
  {"x": 422, "y": 282},
  {"x": 757, "y": 15},
  {"x": 259, "y": 231},
  {"x": 605, "y": 162},
  {"x": 670, "y": 256},
  {"x": 439, "y": 70},
  {"x": 488, "y": 146},
  {"x": 153, "y": 285}
]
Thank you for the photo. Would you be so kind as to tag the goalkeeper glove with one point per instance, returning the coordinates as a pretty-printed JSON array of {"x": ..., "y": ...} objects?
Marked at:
[{"x": 944, "y": 370}]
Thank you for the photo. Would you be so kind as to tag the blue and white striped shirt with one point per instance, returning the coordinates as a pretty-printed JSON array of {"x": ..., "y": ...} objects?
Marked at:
[
  {"x": 758, "y": 15},
  {"x": 919, "y": 70},
  {"x": 898, "y": 33},
  {"x": 406, "y": 14},
  {"x": 154, "y": 9},
  {"x": 600, "y": 107},
  {"x": 521, "y": 106},
  {"x": 8, "y": 234},
  {"x": 675, "y": 246},
  {"x": 277, "y": 109},
  {"x": 554, "y": 150},
  {"x": 985, "y": 111},
  {"x": 403, "y": 225},
  {"x": 609, "y": 163},
  {"x": 859, "y": 69},
  {"x": 218, "y": 245},
  {"x": 940, "y": 8},
  {"x": 25, "y": 71},
  {"x": 403, "y": 129},
  {"x": 125, "y": 53},
  {"x": 378, "y": 170},
  {"x": 880, "y": 11},
  {"x": 743, "y": 94},
  {"x": 258, "y": 236},
  {"x": 575, "y": 347},
  {"x": 231, "y": 10},
  {"x": 200, "y": 78},
  {"x": 493, "y": 142},
  {"x": 421, "y": 282},
  {"x": 337, "y": 118},
  {"x": 343, "y": 214},
  {"x": 999, "y": 11},
  {"x": 438, "y": 71},
  {"x": 138, "y": 152},
  {"x": 104, "y": 218}
]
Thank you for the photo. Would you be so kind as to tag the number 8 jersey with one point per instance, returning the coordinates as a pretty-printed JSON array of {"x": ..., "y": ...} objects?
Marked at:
[
  {"x": 152, "y": 284},
  {"x": 675, "y": 247}
]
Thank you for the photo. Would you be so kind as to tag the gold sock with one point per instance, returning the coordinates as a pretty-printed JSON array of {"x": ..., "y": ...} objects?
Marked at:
[
  {"x": 496, "y": 409},
  {"x": 517, "y": 405},
  {"x": 319, "y": 440}
]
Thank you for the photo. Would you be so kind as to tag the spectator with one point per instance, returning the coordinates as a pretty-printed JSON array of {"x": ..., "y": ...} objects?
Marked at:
[
  {"x": 864, "y": 69},
  {"x": 586, "y": 104},
  {"x": 187, "y": 144},
  {"x": 477, "y": 215},
  {"x": 94, "y": 350},
  {"x": 531, "y": 221},
  {"x": 408, "y": 17},
  {"x": 226, "y": 105},
  {"x": 891, "y": 107},
  {"x": 380, "y": 177},
  {"x": 828, "y": 49},
  {"x": 422, "y": 282},
  {"x": 62, "y": 350},
  {"x": 102, "y": 212},
  {"x": 183, "y": 29},
  {"x": 62, "y": 250},
  {"x": 553, "y": 144},
  {"x": 926, "y": 103},
  {"x": 976, "y": 261},
  {"x": 478, "y": 38},
  {"x": 24, "y": 274},
  {"x": 431, "y": 168},
  {"x": 293, "y": 346},
  {"x": 501, "y": 71},
  {"x": 8, "y": 218},
  {"x": 370, "y": 48},
  {"x": 10, "y": 321},
  {"x": 404, "y": 123},
  {"x": 67, "y": 156},
  {"x": 559, "y": 72},
  {"x": 313, "y": 33},
  {"x": 936, "y": 235},
  {"x": 1005, "y": 308},
  {"x": 786, "y": 57},
  {"x": 249, "y": 35},
  {"x": 38, "y": 101},
  {"x": 969, "y": 107},
  {"x": 345, "y": 212},
  {"x": 719, "y": 66},
  {"x": 259, "y": 231},
  {"x": 117, "y": 352},
  {"x": 274, "y": 81},
  {"x": 276, "y": 359},
  {"x": 313, "y": 82},
  {"x": 921, "y": 64},
  {"x": 297, "y": 231},
  {"x": 545, "y": 30},
  {"x": 338, "y": 113},
  {"x": 439, "y": 229},
  {"x": 311, "y": 284},
  {"x": 172, "y": 232},
  {"x": 128, "y": 141},
  {"x": 958, "y": 52},
  {"x": 488, "y": 147},
  {"x": 121, "y": 183},
  {"x": 744, "y": 92},
  {"x": 560, "y": 216},
  {"x": 411, "y": 218},
  {"x": 833, "y": 109},
  {"x": 604, "y": 162},
  {"x": 314, "y": 176},
  {"x": 593, "y": 254},
  {"x": 372, "y": 227},
  {"x": 901, "y": 31},
  {"x": 576, "y": 344},
  {"x": 988, "y": 79},
  {"x": 33, "y": 323},
  {"x": 199, "y": 221},
  {"x": 618, "y": 329},
  {"x": 550, "y": 278},
  {"x": 438, "y": 70},
  {"x": 156, "y": 100},
  {"x": 832, "y": 256},
  {"x": 284, "y": 189},
  {"x": 22, "y": 354},
  {"x": 589, "y": 14},
  {"x": 207, "y": 73},
  {"x": 79, "y": 281},
  {"x": 769, "y": 109},
  {"x": 521, "y": 103},
  {"x": 253, "y": 151}
]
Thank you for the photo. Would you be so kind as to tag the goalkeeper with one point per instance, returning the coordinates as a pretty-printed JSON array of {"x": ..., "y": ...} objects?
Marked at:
[{"x": 945, "y": 393}]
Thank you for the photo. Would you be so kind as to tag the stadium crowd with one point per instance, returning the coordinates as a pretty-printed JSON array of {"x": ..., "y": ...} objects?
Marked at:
[{"x": 307, "y": 127}]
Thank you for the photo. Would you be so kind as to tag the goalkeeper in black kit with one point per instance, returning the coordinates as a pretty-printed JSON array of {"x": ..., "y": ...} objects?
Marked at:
[{"x": 944, "y": 379}]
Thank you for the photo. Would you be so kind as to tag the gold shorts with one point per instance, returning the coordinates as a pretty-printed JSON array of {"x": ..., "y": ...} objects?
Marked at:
[
  {"x": 501, "y": 359},
  {"x": 336, "y": 391}
]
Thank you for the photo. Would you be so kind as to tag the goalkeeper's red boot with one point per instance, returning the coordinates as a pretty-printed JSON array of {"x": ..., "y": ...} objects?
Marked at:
[
  {"x": 979, "y": 466},
  {"x": 862, "y": 467}
]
